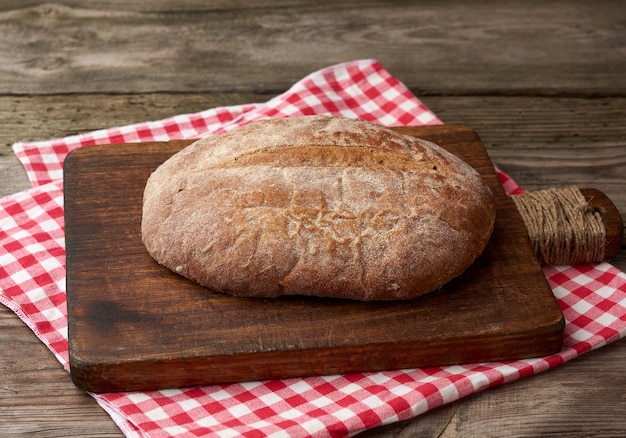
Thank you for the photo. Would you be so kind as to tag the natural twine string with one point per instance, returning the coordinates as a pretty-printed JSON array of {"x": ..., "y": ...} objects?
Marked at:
[{"x": 562, "y": 226}]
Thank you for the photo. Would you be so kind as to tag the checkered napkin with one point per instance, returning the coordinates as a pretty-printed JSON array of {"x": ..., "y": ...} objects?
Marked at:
[{"x": 32, "y": 284}]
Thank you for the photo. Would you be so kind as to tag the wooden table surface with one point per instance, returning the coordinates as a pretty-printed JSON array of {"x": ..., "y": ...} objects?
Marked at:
[{"x": 543, "y": 83}]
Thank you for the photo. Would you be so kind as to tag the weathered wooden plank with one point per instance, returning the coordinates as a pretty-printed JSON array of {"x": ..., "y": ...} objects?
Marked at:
[
  {"x": 31, "y": 118},
  {"x": 543, "y": 142},
  {"x": 434, "y": 47}
]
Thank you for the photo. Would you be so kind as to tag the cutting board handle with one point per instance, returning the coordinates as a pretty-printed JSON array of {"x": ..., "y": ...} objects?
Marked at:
[{"x": 548, "y": 230}]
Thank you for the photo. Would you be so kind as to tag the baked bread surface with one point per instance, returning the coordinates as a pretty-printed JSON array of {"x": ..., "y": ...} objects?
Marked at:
[{"x": 318, "y": 206}]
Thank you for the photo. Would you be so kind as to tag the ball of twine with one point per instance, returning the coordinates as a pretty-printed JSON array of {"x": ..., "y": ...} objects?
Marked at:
[{"x": 562, "y": 226}]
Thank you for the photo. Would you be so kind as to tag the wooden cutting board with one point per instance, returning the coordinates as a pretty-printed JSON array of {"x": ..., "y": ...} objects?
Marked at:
[{"x": 134, "y": 325}]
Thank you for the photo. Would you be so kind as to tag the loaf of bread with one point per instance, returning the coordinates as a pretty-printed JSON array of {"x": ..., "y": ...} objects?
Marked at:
[{"x": 317, "y": 206}]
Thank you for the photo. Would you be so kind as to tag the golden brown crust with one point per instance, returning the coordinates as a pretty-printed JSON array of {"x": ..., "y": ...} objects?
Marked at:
[{"x": 317, "y": 206}]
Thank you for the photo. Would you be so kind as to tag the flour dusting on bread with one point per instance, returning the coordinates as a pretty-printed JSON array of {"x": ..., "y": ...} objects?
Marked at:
[{"x": 318, "y": 206}]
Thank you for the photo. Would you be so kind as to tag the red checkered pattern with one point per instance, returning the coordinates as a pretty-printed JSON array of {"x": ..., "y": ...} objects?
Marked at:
[
  {"x": 32, "y": 284},
  {"x": 32, "y": 263}
]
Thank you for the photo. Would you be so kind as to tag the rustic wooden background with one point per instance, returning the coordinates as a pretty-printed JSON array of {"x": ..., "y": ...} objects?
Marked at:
[{"x": 542, "y": 82}]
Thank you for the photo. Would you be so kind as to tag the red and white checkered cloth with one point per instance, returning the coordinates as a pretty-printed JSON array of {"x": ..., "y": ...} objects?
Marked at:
[{"x": 32, "y": 284}]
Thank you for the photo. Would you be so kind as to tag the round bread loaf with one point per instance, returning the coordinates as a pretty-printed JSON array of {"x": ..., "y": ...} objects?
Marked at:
[{"x": 318, "y": 206}]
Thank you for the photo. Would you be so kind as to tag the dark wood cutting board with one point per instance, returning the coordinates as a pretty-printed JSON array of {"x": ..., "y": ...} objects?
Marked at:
[{"x": 134, "y": 325}]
